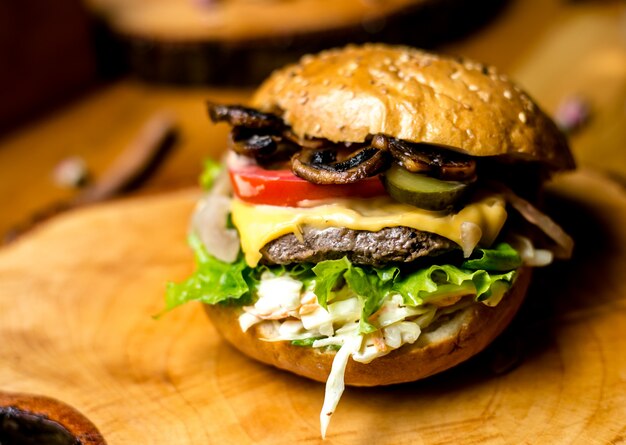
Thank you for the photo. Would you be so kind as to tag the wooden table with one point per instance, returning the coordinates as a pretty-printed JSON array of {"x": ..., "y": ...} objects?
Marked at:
[{"x": 554, "y": 49}]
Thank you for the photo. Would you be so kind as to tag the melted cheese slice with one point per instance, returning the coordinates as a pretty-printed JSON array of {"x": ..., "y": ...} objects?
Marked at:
[{"x": 260, "y": 224}]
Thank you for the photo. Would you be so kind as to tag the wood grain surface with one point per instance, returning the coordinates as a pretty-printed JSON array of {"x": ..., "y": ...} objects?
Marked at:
[{"x": 78, "y": 295}]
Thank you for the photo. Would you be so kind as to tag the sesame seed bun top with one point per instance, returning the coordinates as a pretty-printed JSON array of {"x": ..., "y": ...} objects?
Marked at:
[{"x": 350, "y": 93}]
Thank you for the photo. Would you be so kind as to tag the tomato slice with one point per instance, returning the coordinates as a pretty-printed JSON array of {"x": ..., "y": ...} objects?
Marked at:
[{"x": 257, "y": 185}]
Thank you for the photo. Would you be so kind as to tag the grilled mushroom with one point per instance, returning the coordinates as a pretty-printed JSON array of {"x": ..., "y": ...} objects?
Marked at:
[
  {"x": 421, "y": 158},
  {"x": 265, "y": 136},
  {"x": 250, "y": 143},
  {"x": 321, "y": 166},
  {"x": 240, "y": 116}
]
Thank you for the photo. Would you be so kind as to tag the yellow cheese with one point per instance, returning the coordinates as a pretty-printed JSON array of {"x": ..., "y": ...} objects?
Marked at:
[{"x": 260, "y": 224}]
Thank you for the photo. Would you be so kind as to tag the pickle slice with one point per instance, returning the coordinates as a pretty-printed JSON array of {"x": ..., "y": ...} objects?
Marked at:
[{"x": 422, "y": 191}]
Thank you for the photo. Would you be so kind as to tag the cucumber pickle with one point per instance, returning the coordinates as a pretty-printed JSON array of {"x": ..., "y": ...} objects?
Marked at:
[{"x": 422, "y": 191}]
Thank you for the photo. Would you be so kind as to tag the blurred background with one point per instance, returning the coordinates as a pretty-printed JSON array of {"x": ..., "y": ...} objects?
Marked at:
[{"x": 104, "y": 98}]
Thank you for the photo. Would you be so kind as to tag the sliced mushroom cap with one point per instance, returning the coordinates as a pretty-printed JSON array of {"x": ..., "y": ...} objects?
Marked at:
[
  {"x": 423, "y": 158},
  {"x": 267, "y": 138},
  {"x": 240, "y": 116},
  {"x": 250, "y": 143},
  {"x": 321, "y": 166}
]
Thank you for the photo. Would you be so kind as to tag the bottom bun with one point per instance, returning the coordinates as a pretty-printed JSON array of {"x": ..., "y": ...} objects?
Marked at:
[{"x": 464, "y": 334}]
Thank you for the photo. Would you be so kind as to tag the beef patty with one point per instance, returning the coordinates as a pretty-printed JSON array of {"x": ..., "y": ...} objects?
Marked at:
[{"x": 391, "y": 244}]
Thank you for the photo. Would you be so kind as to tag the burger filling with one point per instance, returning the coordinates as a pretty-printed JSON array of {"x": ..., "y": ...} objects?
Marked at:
[{"x": 354, "y": 249}]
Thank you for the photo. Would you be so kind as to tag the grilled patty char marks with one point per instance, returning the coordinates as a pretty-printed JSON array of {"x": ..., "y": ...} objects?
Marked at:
[{"x": 391, "y": 244}]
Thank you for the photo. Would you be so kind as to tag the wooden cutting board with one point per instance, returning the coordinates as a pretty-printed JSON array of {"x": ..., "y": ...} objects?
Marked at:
[{"x": 77, "y": 298}]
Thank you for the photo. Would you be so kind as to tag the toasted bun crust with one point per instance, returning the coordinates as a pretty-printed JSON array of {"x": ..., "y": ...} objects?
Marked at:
[
  {"x": 463, "y": 336},
  {"x": 347, "y": 94}
]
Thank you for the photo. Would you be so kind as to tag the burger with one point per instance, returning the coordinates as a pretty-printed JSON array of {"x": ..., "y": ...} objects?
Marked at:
[{"x": 376, "y": 217}]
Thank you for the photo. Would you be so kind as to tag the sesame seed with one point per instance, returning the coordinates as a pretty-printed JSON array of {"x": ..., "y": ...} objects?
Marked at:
[
  {"x": 472, "y": 87},
  {"x": 522, "y": 117},
  {"x": 508, "y": 94},
  {"x": 377, "y": 73},
  {"x": 455, "y": 75},
  {"x": 326, "y": 82},
  {"x": 469, "y": 65},
  {"x": 303, "y": 100},
  {"x": 484, "y": 96},
  {"x": 525, "y": 100},
  {"x": 318, "y": 127}
]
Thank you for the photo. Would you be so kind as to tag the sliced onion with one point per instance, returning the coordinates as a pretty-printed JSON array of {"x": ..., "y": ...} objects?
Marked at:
[
  {"x": 470, "y": 236},
  {"x": 209, "y": 222},
  {"x": 547, "y": 225},
  {"x": 531, "y": 256}
]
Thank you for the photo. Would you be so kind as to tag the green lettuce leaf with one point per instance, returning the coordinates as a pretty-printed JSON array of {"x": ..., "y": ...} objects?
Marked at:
[
  {"x": 426, "y": 284},
  {"x": 502, "y": 257},
  {"x": 210, "y": 171},
  {"x": 306, "y": 342},
  {"x": 371, "y": 285},
  {"x": 328, "y": 273},
  {"x": 214, "y": 281}
]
